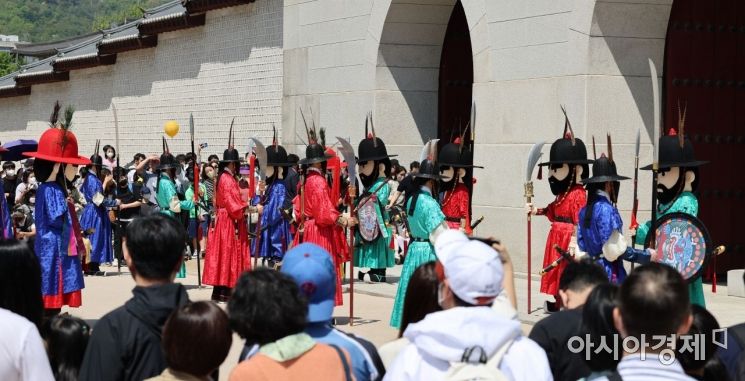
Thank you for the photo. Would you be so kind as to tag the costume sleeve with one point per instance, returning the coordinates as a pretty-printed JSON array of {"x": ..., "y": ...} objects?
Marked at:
[
  {"x": 578, "y": 201},
  {"x": 636, "y": 255},
  {"x": 686, "y": 203},
  {"x": 231, "y": 197},
  {"x": 548, "y": 211},
  {"x": 581, "y": 231},
  {"x": 602, "y": 225},
  {"x": 318, "y": 202},
  {"x": 102, "y": 360},
  {"x": 641, "y": 233},
  {"x": 462, "y": 204},
  {"x": 434, "y": 217},
  {"x": 272, "y": 207},
  {"x": 54, "y": 206},
  {"x": 89, "y": 188}
]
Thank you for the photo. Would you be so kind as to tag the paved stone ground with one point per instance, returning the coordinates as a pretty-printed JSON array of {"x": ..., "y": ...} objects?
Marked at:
[{"x": 373, "y": 302}]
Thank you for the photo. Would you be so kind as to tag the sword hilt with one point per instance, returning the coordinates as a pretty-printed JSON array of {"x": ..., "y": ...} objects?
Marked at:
[{"x": 529, "y": 191}]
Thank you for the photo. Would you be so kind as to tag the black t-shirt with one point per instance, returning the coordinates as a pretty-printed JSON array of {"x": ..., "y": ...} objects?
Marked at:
[
  {"x": 128, "y": 197},
  {"x": 9, "y": 187},
  {"x": 405, "y": 183},
  {"x": 552, "y": 334}
]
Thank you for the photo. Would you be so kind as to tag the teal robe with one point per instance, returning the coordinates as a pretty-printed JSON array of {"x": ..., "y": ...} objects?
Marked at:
[
  {"x": 377, "y": 254},
  {"x": 688, "y": 204}
]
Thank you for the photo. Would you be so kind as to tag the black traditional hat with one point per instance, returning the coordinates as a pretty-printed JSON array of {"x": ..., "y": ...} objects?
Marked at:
[
  {"x": 604, "y": 168},
  {"x": 428, "y": 168},
  {"x": 231, "y": 154},
  {"x": 276, "y": 155},
  {"x": 372, "y": 148},
  {"x": 96, "y": 159},
  {"x": 676, "y": 150},
  {"x": 167, "y": 161},
  {"x": 568, "y": 149},
  {"x": 314, "y": 152}
]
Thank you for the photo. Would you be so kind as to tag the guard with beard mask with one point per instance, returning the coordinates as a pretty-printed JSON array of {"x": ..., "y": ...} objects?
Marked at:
[
  {"x": 95, "y": 216},
  {"x": 677, "y": 181},
  {"x": 59, "y": 240},
  {"x": 456, "y": 186},
  {"x": 600, "y": 229},
  {"x": 319, "y": 221},
  {"x": 276, "y": 236},
  {"x": 373, "y": 237},
  {"x": 568, "y": 166}
]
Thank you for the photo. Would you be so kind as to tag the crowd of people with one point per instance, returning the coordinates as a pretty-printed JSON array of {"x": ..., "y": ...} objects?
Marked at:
[{"x": 305, "y": 220}]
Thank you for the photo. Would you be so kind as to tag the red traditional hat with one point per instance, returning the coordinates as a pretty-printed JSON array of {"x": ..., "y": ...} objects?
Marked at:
[{"x": 58, "y": 144}]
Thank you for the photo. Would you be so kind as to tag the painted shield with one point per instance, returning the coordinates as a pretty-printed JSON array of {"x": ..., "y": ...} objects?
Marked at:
[
  {"x": 683, "y": 243},
  {"x": 368, "y": 219}
]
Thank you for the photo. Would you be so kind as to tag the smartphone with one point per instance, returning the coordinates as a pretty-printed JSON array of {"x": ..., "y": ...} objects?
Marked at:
[{"x": 203, "y": 145}]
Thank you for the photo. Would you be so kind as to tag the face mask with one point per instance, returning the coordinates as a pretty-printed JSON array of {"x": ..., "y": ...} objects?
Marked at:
[
  {"x": 10, "y": 172},
  {"x": 560, "y": 179},
  {"x": 32, "y": 200},
  {"x": 447, "y": 173},
  {"x": 110, "y": 154},
  {"x": 32, "y": 180}
]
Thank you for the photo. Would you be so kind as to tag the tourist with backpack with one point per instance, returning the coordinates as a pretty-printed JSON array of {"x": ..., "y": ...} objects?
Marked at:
[{"x": 468, "y": 340}]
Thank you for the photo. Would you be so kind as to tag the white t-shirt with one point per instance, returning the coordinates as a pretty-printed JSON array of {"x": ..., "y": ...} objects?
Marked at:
[{"x": 22, "y": 355}]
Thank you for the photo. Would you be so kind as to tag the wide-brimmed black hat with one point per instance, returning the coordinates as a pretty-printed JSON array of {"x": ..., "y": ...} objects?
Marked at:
[
  {"x": 96, "y": 161},
  {"x": 371, "y": 147},
  {"x": 276, "y": 156},
  {"x": 456, "y": 155},
  {"x": 314, "y": 153},
  {"x": 230, "y": 155},
  {"x": 604, "y": 170},
  {"x": 428, "y": 169},
  {"x": 676, "y": 152},
  {"x": 568, "y": 149}
]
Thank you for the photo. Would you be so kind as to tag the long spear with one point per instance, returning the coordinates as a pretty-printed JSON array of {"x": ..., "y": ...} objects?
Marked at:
[
  {"x": 635, "y": 207},
  {"x": 533, "y": 157},
  {"x": 116, "y": 188},
  {"x": 196, "y": 196},
  {"x": 656, "y": 160}
]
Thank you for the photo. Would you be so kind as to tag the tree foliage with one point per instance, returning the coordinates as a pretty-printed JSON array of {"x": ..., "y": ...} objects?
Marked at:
[
  {"x": 49, "y": 20},
  {"x": 9, "y": 63}
]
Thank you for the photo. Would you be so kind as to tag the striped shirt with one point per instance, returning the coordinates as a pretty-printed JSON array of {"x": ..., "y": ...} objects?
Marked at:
[{"x": 633, "y": 368}]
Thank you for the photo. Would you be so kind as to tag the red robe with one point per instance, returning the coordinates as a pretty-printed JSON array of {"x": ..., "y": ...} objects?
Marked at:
[
  {"x": 227, "y": 254},
  {"x": 320, "y": 223},
  {"x": 564, "y": 216},
  {"x": 455, "y": 207}
]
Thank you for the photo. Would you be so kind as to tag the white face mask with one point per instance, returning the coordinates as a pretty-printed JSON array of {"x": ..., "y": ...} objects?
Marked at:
[
  {"x": 269, "y": 171},
  {"x": 447, "y": 173},
  {"x": 10, "y": 172},
  {"x": 110, "y": 154},
  {"x": 70, "y": 171},
  {"x": 32, "y": 200}
]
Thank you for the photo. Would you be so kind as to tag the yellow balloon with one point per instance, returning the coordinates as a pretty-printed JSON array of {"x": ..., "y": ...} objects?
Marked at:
[{"x": 171, "y": 128}]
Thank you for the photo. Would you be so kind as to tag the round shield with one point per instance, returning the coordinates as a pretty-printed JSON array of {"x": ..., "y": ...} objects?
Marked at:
[
  {"x": 368, "y": 219},
  {"x": 682, "y": 242}
]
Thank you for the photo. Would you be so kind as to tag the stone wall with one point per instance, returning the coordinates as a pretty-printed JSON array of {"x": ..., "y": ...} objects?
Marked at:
[
  {"x": 344, "y": 58},
  {"x": 231, "y": 67}
]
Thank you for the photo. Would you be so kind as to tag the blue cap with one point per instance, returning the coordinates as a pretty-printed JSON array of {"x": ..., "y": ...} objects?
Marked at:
[{"x": 313, "y": 270}]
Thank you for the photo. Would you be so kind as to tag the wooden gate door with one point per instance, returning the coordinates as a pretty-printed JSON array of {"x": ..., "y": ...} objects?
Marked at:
[
  {"x": 705, "y": 70},
  {"x": 456, "y": 77}
]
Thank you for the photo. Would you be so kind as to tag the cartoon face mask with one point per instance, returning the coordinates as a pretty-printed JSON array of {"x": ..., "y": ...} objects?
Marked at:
[
  {"x": 668, "y": 184},
  {"x": 270, "y": 172},
  {"x": 447, "y": 173},
  {"x": 70, "y": 171}
]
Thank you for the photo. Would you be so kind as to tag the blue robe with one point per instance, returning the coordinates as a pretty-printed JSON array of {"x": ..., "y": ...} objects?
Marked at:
[
  {"x": 276, "y": 237},
  {"x": 53, "y": 229},
  {"x": 605, "y": 219},
  {"x": 97, "y": 217},
  {"x": 7, "y": 224}
]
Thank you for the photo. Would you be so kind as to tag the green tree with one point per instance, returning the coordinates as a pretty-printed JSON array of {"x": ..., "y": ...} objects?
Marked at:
[{"x": 9, "y": 63}]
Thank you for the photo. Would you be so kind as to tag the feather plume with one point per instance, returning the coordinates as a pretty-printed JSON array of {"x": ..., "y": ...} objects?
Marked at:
[
  {"x": 309, "y": 130},
  {"x": 231, "y": 140},
  {"x": 163, "y": 139},
  {"x": 55, "y": 115},
  {"x": 67, "y": 122},
  {"x": 322, "y": 136},
  {"x": 610, "y": 149},
  {"x": 372, "y": 128},
  {"x": 681, "y": 124},
  {"x": 568, "y": 126},
  {"x": 367, "y": 126},
  {"x": 473, "y": 125},
  {"x": 95, "y": 151},
  {"x": 274, "y": 138},
  {"x": 594, "y": 151}
]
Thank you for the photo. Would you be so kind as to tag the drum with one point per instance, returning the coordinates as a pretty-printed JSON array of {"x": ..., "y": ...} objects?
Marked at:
[{"x": 682, "y": 242}]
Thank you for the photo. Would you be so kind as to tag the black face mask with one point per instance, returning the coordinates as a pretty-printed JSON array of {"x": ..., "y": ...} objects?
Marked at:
[
  {"x": 274, "y": 176},
  {"x": 616, "y": 190},
  {"x": 559, "y": 186},
  {"x": 666, "y": 195},
  {"x": 369, "y": 180}
]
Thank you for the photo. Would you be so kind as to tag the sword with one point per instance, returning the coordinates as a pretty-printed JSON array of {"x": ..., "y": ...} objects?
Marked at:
[
  {"x": 657, "y": 131},
  {"x": 533, "y": 157},
  {"x": 565, "y": 256},
  {"x": 261, "y": 156},
  {"x": 347, "y": 151},
  {"x": 477, "y": 222}
]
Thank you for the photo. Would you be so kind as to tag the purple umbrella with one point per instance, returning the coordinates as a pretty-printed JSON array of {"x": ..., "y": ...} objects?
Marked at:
[{"x": 17, "y": 147}]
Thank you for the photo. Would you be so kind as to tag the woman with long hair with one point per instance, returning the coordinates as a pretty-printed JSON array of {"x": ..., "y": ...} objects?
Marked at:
[
  {"x": 20, "y": 281},
  {"x": 66, "y": 338}
]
